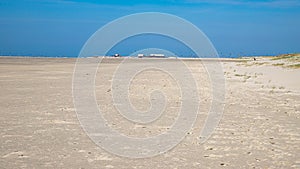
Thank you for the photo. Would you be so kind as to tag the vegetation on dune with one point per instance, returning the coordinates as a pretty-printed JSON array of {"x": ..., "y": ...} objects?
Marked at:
[
  {"x": 278, "y": 64},
  {"x": 253, "y": 63},
  {"x": 296, "y": 66},
  {"x": 246, "y": 77},
  {"x": 285, "y": 61},
  {"x": 260, "y": 63},
  {"x": 289, "y": 60},
  {"x": 238, "y": 75},
  {"x": 290, "y": 57}
]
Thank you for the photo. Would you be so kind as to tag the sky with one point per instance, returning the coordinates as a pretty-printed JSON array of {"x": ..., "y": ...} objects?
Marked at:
[{"x": 60, "y": 28}]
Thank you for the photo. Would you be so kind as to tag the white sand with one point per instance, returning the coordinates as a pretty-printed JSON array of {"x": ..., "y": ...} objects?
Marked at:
[{"x": 39, "y": 128}]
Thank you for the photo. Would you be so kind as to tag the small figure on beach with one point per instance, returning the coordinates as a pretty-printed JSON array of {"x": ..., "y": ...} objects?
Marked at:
[{"x": 254, "y": 58}]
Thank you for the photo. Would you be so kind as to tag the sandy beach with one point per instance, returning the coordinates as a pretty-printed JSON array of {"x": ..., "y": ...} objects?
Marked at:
[{"x": 259, "y": 127}]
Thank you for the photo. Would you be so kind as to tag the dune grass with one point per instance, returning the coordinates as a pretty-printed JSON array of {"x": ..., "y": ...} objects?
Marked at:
[
  {"x": 290, "y": 57},
  {"x": 278, "y": 64},
  {"x": 295, "y": 66}
]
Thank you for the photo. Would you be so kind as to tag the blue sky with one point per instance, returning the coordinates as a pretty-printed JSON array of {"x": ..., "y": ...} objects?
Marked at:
[{"x": 236, "y": 27}]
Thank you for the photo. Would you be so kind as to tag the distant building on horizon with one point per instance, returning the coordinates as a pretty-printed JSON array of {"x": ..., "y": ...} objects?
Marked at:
[
  {"x": 151, "y": 56},
  {"x": 140, "y": 55}
]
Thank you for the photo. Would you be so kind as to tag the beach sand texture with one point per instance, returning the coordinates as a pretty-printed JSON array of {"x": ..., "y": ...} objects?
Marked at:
[{"x": 259, "y": 127}]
